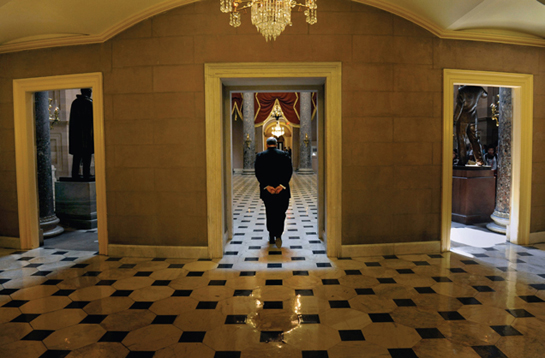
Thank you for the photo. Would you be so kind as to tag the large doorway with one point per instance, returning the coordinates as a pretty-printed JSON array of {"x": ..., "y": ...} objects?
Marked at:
[
  {"x": 521, "y": 86},
  {"x": 219, "y": 168},
  {"x": 293, "y": 118},
  {"x": 25, "y": 144}
]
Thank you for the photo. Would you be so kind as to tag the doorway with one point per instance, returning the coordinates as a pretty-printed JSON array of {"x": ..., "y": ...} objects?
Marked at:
[
  {"x": 522, "y": 94},
  {"x": 25, "y": 152},
  {"x": 219, "y": 186},
  {"x": 293, "y": 116}
]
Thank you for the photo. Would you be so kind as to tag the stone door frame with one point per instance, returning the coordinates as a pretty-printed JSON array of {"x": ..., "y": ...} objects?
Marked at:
[
  {"x": 215, "y": 75},
  {"x": 25, "y": 152},
  {"x": 521, "y": 181}
]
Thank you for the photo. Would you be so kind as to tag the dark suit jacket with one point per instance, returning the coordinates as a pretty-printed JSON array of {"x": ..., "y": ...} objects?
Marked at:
[
  {"x": 80, "y": 136},
  {"x": 273, "y": 167}
]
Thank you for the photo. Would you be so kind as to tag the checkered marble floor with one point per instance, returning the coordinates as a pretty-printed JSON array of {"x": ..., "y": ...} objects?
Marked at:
[{"x": 260, "y": 301}]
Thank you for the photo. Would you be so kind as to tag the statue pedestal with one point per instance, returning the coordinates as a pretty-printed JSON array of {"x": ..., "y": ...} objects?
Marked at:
[
  {"x": 76, "y": 204},
  {"x": 473, "y": 194}
]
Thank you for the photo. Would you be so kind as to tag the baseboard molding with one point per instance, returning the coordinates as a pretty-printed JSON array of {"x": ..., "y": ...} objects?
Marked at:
[
  {"x": 178, "y": 252},
  {"x": 10, "y": 242},
  {"x": 536, "y": 237},
  {"x": 421, "y": 247}
]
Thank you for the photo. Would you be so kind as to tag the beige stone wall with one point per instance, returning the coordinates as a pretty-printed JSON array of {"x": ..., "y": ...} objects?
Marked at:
[{"x": 154, "y": 113}]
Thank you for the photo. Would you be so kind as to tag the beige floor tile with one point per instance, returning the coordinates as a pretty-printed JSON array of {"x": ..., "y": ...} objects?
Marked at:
[
  {"x": 431, "y": 348},
  {"x": 108, "y": 305},
  {"x": 392, "y": 291},
  {"x": 532, "y": 327},
  {"x": 312, "y": 337},
  {"x": 200, "y": 320},
  {"x": 92, "y": 293},
  {"x": 437, "y": 302},
  {"x": 128, "y": 320},
  {"x": 358, "y": 281},
  {"x": 200, "y": 266},
  {"x": 174, "y": 305},
  {"x": 416, "y": 318},
  {"x": 345, "y": 319},
  {"x": 32, "y": 293},
  {"x": 468, "y": 333},
  {"x": 189, "y": 283},
  {"x": 27, "y": 281},
  {"x": 168, "y": 274},
  {"x": 100, "y": 350},
  {"x": 151, "y": 265},
  {"x": 152, "y": 338},
  {"x": 378, "y": 271},
  {"x": 334, "y": 292},
  {"x": 488, "y": 315},
  {"x": 58, "y": 319},
  {"x": 23, "y": 349},
  {"x": 133, "y": 283},
  {"x": 8, "y": 313},
  {"x": 239, "y": 305},
  {"x": 372, "y": 304},
  {"x": 231, "y": 338},
  {"x": 500, "y": 300},
  {"x": 273, "y": 293},
  {"x": 302, "y": 282},
  {"x": 454, "y": 289},
  {"x": 246, "y": 282},
  {"x": 180, "y": 350},
  {"x": 212, "y": 293},
  {"x": 307, "y": 305},
  {"x": 116, "y": 274},
  {"x": 75, "y": 337},
  {"x": 152, "y": 293},
  {"x": 13, "y": 331},
  {"x": 519, "y": 346},
  {"x": 391, "y": 335},
  {"x": 358, "y": 349},
  {"x": 45, "y": 304},
  {"x": 78, "y": 283},
  {"x": 411, "y": 280},
  {"x": 273, "y": 320},
  {"x": 271, "y": 350}
]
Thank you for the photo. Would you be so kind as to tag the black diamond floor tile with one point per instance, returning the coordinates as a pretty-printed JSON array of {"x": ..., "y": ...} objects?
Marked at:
[
  {"x": 489, "y": 352},
  {"x": 380, "y": 317},
  {"x": 402, "y": 353},
  {"x": 451, "y": 316},
  {"x": 77, "y": 304},
  {"x": 207, "y": 305},
  {"x": 243, "y": 293},
  {"x": 271, "y": 336},
  {"x": 54, "y": 354},
  {"x": 304, "y": 293},
  {"x": 428, "y": 333},
  {"x": 531, "y": 299},
  {"x": 339, "y": 304},
  {"x": 520, "y": 313},
  {"x": 236, "y": 319},
  {"x": 314, "y": 354},
  {"x": 309, "y": 319},
  {"x": 192, "y": 337},
  {"x": 15, "y": 303},
  {"x": 300, "y": 273},
  {"x": 37, "y": 335},
  {"x": 273, "y": 282},
  {"x": 365, "y": 291},
  {"x": 351, "y": 335},
  {"x": 468, "y": 300},
  {"x": 330, "y": 281},
  {"x": 404, "y": 302},
  {"x": 142, "y": 305},
  {"x": 484, "y": 288},
  {"x": 275, "y": 305},
  {"x": 161, "y": 283},
  {"x": 25, "y": 317},
  {"x": 424, "y": 290},
  {"x": 93, "y": 319},
  {"x": 143, "y": 273},
  {"x": 506, "y": 331},
  {"x": 113, "y": 336}
]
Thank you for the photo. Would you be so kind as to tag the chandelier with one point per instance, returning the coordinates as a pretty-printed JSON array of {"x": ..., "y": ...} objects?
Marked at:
[
  {"x": 276, "y": 112},
  {"x": 269, "y": 16}
]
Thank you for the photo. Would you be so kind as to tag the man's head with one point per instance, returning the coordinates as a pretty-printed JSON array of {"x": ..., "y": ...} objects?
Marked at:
[
  {"x": 491, "y": 151},
  {"x": 271, "y": 142},
  {"x": 86, "y": 92}
]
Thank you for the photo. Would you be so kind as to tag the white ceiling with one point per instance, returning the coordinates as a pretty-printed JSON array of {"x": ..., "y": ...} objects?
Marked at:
[{"x": 27, "y": 24}]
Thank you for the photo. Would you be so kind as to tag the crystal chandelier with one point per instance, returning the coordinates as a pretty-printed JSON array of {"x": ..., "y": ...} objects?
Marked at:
[
  {"x": 277, "y": 130},
  {"x": 269, "y": 16}
]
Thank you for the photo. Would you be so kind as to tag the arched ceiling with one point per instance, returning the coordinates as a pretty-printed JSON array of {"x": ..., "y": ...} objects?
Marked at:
[{"x": 31, "y": 24}]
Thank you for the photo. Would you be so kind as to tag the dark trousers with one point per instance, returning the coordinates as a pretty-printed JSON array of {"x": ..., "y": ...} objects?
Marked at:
[
  {"x": 77, "y": 159},
  {"x": 275, "y": 208}
]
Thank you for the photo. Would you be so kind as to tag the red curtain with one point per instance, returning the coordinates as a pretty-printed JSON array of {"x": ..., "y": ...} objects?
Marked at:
[
  {"x": 236, "y": 105},
  {"x": 264, "y": 103},
  {"x": 289, "y": 102}
]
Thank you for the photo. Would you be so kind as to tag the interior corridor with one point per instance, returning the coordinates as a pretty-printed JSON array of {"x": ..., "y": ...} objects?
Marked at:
[{"x": 260, "y": 301}]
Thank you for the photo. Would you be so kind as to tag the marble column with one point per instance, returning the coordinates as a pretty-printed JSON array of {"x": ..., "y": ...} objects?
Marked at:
[
  {"x": 249, "y": 133},
  {"x": 48, "y": 219},
  {"x": 503, "y": 183},
  {"x": 305, "y": 134}
]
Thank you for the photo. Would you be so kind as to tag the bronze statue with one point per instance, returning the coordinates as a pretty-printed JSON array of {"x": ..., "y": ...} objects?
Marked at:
[
  {"x": 465, "y": 116},
  {"x": 81, "y": 138}
]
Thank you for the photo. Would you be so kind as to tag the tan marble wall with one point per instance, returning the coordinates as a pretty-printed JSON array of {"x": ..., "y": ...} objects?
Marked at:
[{"x": 154, "y": 113}]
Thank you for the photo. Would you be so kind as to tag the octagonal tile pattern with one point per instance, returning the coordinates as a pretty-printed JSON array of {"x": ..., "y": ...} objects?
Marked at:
[{"x": 261, "y": 301}]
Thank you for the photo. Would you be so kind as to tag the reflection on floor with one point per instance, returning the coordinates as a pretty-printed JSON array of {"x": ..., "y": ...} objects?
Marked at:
[
  {"x": 71, "y": 239},
  {"x": 260, "y": 301},
  {"x": 475, "y": 235}
]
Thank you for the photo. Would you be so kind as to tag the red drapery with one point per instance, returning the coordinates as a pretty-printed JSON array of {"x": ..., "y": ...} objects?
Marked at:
[
  {"x": 289, "y": 102},
  {"x": 264, "y": 103}
]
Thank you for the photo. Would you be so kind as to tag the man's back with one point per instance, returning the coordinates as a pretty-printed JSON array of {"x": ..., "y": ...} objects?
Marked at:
[{"x": 273, "y": 168}]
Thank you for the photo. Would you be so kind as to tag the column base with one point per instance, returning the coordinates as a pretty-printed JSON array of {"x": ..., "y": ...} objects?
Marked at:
[
  {"x": 305, "y": 171},
  {"x": 49, "y": 226},
  {"x": 248, "y": 171},
  {"x": 499, "y": 225}
]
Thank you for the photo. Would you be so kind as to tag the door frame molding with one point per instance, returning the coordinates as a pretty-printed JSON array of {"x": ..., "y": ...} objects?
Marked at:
[
  {"x": 215, "y": 73},
  {"x": 521, "y": 147},
  {"x": 25, "y": 151}
]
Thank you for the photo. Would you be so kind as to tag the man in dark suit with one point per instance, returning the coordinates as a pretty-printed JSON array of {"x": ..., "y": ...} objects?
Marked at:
[
  {"x": 273, "y": 171},
  {"x": 80, "y": 134}
]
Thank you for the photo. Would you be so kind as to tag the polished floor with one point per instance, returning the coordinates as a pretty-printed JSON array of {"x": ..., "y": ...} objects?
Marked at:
[{"x": 260, "y": 301}]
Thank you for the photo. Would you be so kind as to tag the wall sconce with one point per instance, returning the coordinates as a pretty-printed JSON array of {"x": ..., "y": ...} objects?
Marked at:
[
  {"x": 248, "y": 141},
  {"x": 306, "y": 141}
]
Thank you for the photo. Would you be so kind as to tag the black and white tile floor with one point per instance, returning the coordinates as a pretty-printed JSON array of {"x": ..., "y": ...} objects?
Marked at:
[{"x": 259, "y": 301}]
